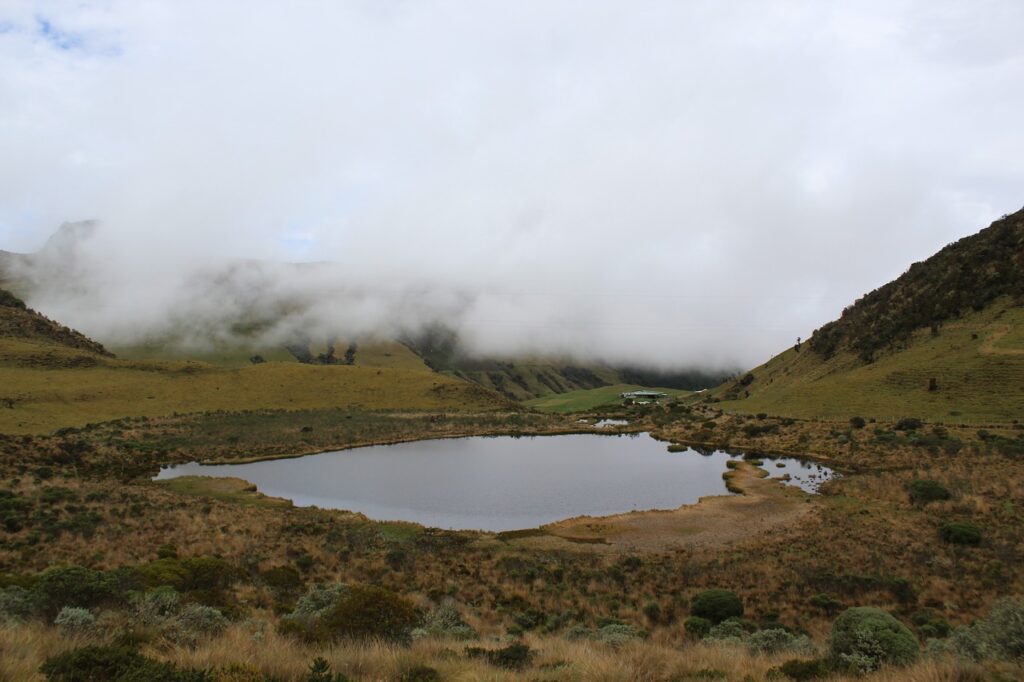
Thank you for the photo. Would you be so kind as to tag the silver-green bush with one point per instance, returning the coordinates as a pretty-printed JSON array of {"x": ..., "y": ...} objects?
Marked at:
[
  {"x": 999, "y": 636},
  {"x": 73, "y": 620}
]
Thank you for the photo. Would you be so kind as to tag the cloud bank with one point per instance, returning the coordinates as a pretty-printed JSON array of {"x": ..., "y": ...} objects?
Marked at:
[{"x": 671, "y": 183}]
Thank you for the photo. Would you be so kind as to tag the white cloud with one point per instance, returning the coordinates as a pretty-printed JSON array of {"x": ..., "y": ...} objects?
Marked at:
[{"x": 679, "y": 183}]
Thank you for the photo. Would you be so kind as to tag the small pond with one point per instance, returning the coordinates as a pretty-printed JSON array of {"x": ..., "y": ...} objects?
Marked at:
[{"x": 499, "y": 483}]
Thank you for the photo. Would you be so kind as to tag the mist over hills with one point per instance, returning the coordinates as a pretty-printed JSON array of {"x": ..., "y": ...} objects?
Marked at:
[
  {"x": 246, "y": 308},
  {"x": 256, "y": 304}
]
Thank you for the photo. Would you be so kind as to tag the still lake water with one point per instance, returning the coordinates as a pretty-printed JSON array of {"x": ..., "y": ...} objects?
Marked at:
[{"x": 499, "y": 483}]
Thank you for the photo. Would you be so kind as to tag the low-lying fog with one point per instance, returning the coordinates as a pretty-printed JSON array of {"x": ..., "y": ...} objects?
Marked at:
[{"x": 674, "y": 184}]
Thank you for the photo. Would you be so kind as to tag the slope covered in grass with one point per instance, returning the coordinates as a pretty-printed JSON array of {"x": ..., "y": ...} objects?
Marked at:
[
  {"x": 580, "y": 401},
  {"x": 53, "y": 377},
  {"x": 976, "y": 362},
  {"x": 944, "y": 341},
  {"x": 18, "y": 321},
  {"x": 44, "y": 398}
]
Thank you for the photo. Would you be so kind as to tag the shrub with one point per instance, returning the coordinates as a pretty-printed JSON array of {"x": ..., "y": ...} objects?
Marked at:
[
  {"x": 731, "y": 630},
  {"x": 857, "y": 422},
  {"x": 697, "y": 627},
  {"x": 960, "y": 534},
  {"x": 319, "y": 599},
  {"x": 155, "y": 606},
  {"x": 73, "y": 586},
  {"x": 167, "y": 551},
  {"x": 194, "y": 622},
  {"x": 16, "y": 605},
  {"x": 370, "y": 612},
  {"x": 305, "y": 562},
  {"x": 201, "y": 573},
  {"x": 617, "y": 634},
  {"x": 929, "y": 624},
  {"x": 999, "y": 636},
  {"x": 512, "y": 657},
  {"x": 716, "y": 605},
  {"x": 863, "y": 638},
  {"x": 652, "y": 610},
  {"x": 801, "y": 670},
  {"x": 116, "y": 664},
  {"x": 777, "y": 640},
  {"x": 445, "y": 621},
  {"x": 73, "y": 620},
  {"x": 922, "y": 491},
  {"x": 908, "y": 424},
  {"x": 282, "y": 579},
  {"x": 826, "y": 603}
]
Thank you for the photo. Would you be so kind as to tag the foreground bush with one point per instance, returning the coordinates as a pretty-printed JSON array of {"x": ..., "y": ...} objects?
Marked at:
[
  {"x": 113, "y": 664},
  {"x": 999, "y": 637},
  {"x": 864, "y": 637},
  {"x": 512, "y": 657},
  {"x": 696, "y": 626},
  {"x": 716, "y": 606},
  {"x": 73, "y": 620},
  {"x": 350, "y": 611},
  {"x": 801, "y": 670},
  {"x": 371, "y": 612},
  {"x": 445, "y": 621},
  {"x": 73, "y": 586}
]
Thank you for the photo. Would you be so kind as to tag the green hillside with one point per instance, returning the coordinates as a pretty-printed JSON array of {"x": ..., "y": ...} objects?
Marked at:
[
  {"x": 583, "y": 400},
  {"x": 52, "y": 377},
  {"x": 945, "y": 342}
]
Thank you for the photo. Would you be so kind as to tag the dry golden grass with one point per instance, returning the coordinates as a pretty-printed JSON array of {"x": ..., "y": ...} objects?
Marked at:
[{"x": 260, "y": 649}]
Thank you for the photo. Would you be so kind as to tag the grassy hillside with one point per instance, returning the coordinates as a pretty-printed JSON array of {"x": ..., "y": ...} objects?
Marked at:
[
  {"x": 45, "y": 389},
  {"x": 581, "y": 401},
  {"x": 53, "y": 377},
  {"x": 944, "y": 341},
  {"x": 390, "y": 354},
  {"x": 967, "y": 275},
  {"x": 977, "y": 363}
]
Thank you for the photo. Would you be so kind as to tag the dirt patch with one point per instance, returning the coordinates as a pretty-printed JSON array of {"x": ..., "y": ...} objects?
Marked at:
[{"x": 765, "y": 506}]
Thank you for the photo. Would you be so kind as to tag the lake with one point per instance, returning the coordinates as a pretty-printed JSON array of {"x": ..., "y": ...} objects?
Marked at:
[{"x": 500, "y": 483}]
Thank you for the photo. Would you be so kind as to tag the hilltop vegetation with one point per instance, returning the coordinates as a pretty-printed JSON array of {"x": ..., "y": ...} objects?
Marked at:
[
  {"x": 945, "y": 341},
  {"x": 967, "y": 275}
]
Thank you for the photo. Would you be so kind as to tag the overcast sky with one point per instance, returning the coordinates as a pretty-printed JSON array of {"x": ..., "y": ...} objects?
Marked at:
[{"x": 670, "y": 182}]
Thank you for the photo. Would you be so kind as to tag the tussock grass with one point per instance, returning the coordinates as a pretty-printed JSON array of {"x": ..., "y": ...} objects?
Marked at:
[{"x": 260, "y": 648}]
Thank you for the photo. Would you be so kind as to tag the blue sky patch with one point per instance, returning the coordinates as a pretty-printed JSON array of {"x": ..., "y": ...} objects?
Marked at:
[{"x": 62, "y": 40}]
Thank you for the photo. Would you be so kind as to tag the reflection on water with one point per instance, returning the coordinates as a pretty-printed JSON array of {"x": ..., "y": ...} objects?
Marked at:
[{"x": 502, "y": 483}]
